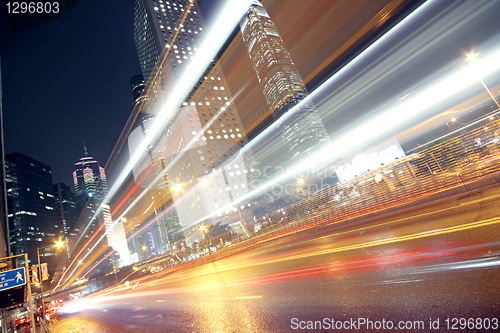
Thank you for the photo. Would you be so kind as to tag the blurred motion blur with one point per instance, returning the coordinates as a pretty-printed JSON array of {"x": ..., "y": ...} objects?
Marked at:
[{"x": 313, "y": 134}]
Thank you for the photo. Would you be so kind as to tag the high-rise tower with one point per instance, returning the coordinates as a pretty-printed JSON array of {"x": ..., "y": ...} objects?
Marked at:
[
  {"x": 137, "y": 86},
  {"x": 67, "y": 211},
  {"x": 205, "y": 134},
  {"x": 31, "y": 208},
  {"x": 281, "y": 83},
  {"x": 89, "y": 177}
]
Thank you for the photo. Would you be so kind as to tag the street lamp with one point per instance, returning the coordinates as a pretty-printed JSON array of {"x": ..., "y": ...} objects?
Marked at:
[
  {"x": 472, "y": 57},
  {"x": 57, "y": 244}
]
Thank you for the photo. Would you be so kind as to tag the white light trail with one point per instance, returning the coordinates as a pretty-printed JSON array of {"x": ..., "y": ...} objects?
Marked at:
[
  {"x": 162, "y": 173},
  {"x": 226, "y": 21},
  {"x": 372, "y": 129},
  {"x": 376, "y": 127}
]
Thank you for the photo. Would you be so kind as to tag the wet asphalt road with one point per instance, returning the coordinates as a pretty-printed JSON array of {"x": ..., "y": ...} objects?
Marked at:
[{"x": 434, "y": 263}]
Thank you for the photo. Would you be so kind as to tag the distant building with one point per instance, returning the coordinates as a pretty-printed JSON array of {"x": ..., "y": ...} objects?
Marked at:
[
  {"x": 281, "y": 83},
  {"x": 86, "y": 224},
  {"x": 91, "y": 189},
  {"x": 89, "y": 177},
  {"x": 4, "y": 220},
  {"x": 31, "y": 203},
  {"x": 67, "y": 211}
]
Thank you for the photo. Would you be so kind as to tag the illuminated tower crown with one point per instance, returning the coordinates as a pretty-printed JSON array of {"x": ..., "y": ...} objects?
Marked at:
[{"x": 90, "y": 177}]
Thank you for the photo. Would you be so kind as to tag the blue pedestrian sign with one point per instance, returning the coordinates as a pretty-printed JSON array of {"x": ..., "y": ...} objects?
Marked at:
[{"x": 12, "y": 278}]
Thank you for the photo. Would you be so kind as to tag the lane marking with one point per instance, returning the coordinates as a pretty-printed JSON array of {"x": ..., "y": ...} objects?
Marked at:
[{"x": 248, "y": 297}]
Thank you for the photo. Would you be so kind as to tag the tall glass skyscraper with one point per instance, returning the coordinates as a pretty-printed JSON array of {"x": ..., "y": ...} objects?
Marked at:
[
  {"x": 30, "y": 201},
  {"x": 281, "y": 83},
  {"x": 201, "y": 144},
  {"x": 90, "y": 180},
  {"x": 67, "y": 210},
  {"x": 89, "y": 177}
]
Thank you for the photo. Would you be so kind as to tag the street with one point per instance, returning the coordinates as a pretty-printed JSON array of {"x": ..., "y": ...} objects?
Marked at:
[{"x": 438, "y": 261}]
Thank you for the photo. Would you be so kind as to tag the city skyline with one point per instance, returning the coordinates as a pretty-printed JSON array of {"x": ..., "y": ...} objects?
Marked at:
[
  {"x": 269, "y": 161},
  {"x": 57, "y": 45},
  {"x": 57, "y": 96}
]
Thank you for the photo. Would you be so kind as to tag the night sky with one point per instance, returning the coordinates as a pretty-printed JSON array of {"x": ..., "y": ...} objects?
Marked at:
[{"x": 67, "y": 81}]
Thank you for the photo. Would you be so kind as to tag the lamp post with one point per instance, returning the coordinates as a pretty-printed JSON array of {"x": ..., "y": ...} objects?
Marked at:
[
  {"x": 472, "y": 57},
  {"x": 30, "y": 297},
  {"x": 57, "y": 244}
]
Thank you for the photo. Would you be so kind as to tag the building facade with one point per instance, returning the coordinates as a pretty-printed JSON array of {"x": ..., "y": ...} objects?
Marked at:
[
  {"x": 282, "y": 85},
  {"x": 89, "y": 177},
  {"x": 91, "y": 189},
  {"x": 67, "y": 211},
  {"x": 31, "y": 204}
]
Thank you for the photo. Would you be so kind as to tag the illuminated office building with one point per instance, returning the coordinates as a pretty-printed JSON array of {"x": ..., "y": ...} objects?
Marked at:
[
  {"x": 197, "y": 155},
  {"x": 30, "y": 201},
  {"x": 281, "y": 83},
  {"x": 89, "y": 177},
  {"x": 90, "y": 180}
]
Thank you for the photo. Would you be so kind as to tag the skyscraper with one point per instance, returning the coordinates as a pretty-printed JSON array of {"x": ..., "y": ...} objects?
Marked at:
[
  {"x": 31, "y": 207},
  {"x": 281, "y": 83},
  {"x": 147, "y": 42},
  {"x": 89, "y": 177},
  {"x": 90, "y": 180},
  {"x": 204, "y": 137},
  {"x": 4, "y": 224},
  {"x": 67, "y": 211}
]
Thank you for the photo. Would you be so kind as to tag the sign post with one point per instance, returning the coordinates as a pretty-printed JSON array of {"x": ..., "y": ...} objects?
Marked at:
[
  {"x": 30, "y": 299},
  {"x": 19, "y": 277},
  {"x": 12, "y": 278}
]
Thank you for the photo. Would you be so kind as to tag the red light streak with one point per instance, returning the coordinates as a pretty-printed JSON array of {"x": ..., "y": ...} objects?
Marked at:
[
  {"x": 78, "y": 254},
  {"x": 90, "y": 270},
  {"x": 127, "y": 196},
  {"x": 153, "y": 165}
]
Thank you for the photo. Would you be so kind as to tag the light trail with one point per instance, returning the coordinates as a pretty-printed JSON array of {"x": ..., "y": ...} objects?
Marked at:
[
  {"x": 393, "y": 240},
  {"x": 318, "y": 250},
  {"x": 97, "y": 264},
  {"x": 390, "y": 120},
  {"x": 227, "y": 19},
  {"x": 496, "y": 113},
  {"x": 377, "y": 127},
  {"x": 77, "y": 255},
  {"x": 294, "y": 274}
]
